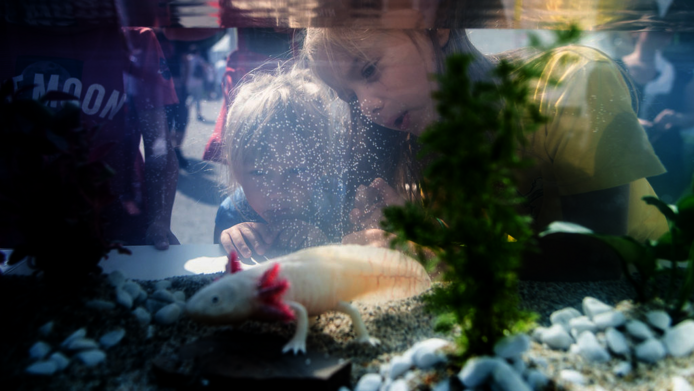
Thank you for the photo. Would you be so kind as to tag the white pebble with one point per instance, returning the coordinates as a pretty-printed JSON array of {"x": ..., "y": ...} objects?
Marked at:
[
  {"x": 399, "y": 365},
  {"x": 369, "y": 382},
  {"x": 556, "y": 337},
  {"x": 681, "y": 384},
  {"x": 536, "y": 379},
  {"x": 142, "y": 315},
  {"x": 168, "y": 314},
  {"x": 537, "y": 333},
  {"x": 679, "y": 340},
  {"x": 609, "y": 319},
  {"x": 60, "y": 360},
  {"x": 82, "y": 344},
  {"x": 142, "y": 296},
  {"x": 591, "y": 349},
  {"x": 101, "y": 305},
  {"x": 572, "y": 376},
  {"x": 477, "y": 370},
  {"x": 650, "y": 351},
  {"x": 519, "y": 365},
  {"x": 81, "y": 333},
  {"x": 622, "y": 369},
  {"x": 163, "y": 295},
  {"x": 46, "y": 328},
  {"x": 512, "y": 346},
  {"x": 123, "y": 298},
  {"x": 581, "y": 324},
  {"x": 398, "y": 385},
  {"x": 504, "y": 378},
  {"x": 132, "y": 288},
  {"x": 162, "y": 284},
  {"x": 638, "y": 329},
  {"x": 116, "y": 278},
  {"x": 564, "y": 316},
  {"x": 659, "y": 319},
  {"x": 154, "y": 305},
  {"x": 39, "y": 350},
  {"x": 91, "y": 358},
  {"x": 616, "y": 341},
  {"x": 427, "y": 353},
  {"x": 593, "y": 306},
  {"x": 179, "y": 295},
  {"x": 43, "y": 368},
  {"x": 112, "y": 338}
]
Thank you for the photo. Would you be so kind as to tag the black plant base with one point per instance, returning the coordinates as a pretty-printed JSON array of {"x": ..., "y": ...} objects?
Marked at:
[{"x": 244, "y": 361}]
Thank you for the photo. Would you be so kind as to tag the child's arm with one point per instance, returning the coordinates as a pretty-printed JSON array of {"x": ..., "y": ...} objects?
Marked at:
[{"x": 247, "y": 237}]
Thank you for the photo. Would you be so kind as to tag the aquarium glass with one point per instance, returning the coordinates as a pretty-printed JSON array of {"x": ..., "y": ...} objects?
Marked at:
[{"x": 156, "y": 81}]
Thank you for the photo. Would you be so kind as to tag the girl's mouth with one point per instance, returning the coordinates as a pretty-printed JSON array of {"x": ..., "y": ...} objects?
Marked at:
[{"x": 402, "y": 122}]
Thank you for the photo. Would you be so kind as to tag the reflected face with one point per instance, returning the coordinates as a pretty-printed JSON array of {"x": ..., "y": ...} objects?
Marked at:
[
  {"x": 280, "y": 180},
  {"x": 393, "y": 87}
]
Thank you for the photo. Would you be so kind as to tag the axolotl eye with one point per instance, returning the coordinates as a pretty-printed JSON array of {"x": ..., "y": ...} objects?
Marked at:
[{"x": 215, "y": 299}]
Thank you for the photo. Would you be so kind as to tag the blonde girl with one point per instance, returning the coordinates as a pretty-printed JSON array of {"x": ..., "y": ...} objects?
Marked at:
[{"x": 282, "y": 133}]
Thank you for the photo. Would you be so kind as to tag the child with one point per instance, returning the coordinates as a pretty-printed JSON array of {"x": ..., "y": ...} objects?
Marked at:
[
  {"x": 592, "y": 157},
  {"x": 280, "y": 143}
]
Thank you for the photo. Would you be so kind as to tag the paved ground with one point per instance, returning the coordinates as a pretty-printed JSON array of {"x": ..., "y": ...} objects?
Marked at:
[{"x": 200, "y": 187}]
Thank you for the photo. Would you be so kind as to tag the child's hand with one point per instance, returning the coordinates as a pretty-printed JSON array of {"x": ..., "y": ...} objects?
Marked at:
[
  {"x": 369, "y": 201},
  {"x": 294, "y": 235},
  {"x": 247, "y": 237}
]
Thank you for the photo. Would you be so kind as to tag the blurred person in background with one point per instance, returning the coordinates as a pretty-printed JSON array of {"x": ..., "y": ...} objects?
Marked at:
[
  {"x": 122, "y": 83},
  {"x": 661, "y": 67}
]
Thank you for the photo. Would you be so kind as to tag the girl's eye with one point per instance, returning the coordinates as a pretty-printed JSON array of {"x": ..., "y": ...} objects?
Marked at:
[{"x": 368, "y": 70}]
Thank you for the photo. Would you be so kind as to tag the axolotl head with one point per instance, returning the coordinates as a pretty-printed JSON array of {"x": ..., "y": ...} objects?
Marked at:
[{"x": 227, "y": 300}]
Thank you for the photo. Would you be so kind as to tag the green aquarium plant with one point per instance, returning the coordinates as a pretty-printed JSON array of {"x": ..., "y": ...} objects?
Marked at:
[
  {"x": 54, "y": 185},
  {"x": 468, "y": 217}
]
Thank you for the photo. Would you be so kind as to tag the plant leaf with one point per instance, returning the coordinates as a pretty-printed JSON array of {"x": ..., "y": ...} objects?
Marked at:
[
  {"x": 565, "y": 227},
  {"x": 664, "y": 208}
]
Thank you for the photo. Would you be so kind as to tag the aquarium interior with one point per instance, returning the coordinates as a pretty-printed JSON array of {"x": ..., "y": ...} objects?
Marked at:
[{"x": 309, "y": 187}]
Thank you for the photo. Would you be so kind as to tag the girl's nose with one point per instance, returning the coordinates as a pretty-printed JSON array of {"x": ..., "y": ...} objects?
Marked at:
[{"x": 370, "y": 105}]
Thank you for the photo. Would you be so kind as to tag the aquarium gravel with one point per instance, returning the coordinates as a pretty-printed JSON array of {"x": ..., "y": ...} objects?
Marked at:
[{"x": 29, "y": 306}]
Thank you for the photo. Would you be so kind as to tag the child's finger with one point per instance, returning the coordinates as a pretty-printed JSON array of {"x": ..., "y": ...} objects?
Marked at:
[
  {"x": 365, "y": 196},
  {"x": 237, "y": 239},
  {"x": 225, "y": 239},
  {"x": 355, "y": 217},
  {"x": 387, "y": 194}
]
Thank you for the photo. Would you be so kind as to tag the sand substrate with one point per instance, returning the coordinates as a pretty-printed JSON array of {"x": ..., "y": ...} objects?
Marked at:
[{"x": 28, "y": 303}]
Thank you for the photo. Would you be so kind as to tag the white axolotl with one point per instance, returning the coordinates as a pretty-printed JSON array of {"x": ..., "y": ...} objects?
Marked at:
[{"x": 308, "y": 283}]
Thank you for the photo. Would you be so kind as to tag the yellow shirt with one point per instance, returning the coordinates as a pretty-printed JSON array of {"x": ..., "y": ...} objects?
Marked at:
[{"x": 592, "y": 141}]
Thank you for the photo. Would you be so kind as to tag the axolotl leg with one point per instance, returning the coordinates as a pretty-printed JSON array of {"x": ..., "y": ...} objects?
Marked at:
[
  {"x": 298, "y": 341},
  {"x": 358, "y": 324}
]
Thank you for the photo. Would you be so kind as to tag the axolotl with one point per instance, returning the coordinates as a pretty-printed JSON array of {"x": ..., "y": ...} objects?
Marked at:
[{"x": 306, "y": 284}]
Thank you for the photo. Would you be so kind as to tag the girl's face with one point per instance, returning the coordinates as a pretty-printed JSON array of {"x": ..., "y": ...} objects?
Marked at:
[
  {"x": 279, "y": 183},
  {"x": 394, "y": 86}
]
